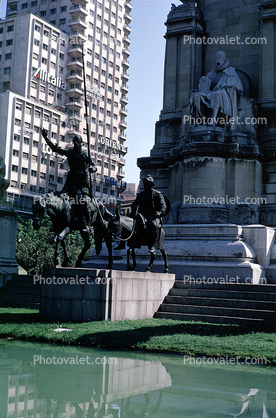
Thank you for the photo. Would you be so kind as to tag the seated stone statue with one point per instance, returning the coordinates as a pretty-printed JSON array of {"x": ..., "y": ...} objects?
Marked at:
[{"x": 217, "y": 92}]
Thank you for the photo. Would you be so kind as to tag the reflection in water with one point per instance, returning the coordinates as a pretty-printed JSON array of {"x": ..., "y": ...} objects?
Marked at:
[{"x": 43, "y": 381}]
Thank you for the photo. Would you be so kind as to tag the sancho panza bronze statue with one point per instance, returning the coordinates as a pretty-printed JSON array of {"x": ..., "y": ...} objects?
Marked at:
[
  {"x": 151, "y": 206},
  {"x": 77, "y": 183}
]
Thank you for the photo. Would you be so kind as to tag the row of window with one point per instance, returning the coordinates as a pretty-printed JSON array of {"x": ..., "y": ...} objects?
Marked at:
[
  {"x": 7, "y": 56},
  {"x": 8, "y": 42},
  {"x": 10, "y": 28}
]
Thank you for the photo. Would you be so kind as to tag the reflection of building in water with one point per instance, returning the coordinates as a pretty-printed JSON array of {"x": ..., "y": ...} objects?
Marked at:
[
  {"x": 22, "y": 397},
  {"x": 129, "y": 387}
]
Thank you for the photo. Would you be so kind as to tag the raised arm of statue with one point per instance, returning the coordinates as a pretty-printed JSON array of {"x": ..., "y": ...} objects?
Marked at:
[{"x": 53, "y": 147}]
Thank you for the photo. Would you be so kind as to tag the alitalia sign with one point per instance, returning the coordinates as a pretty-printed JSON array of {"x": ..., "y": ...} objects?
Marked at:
[{"x": 48, "y": 78}]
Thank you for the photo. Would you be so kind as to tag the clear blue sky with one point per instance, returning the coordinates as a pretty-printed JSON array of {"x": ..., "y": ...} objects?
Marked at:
[{"x": 146, "y": 77}]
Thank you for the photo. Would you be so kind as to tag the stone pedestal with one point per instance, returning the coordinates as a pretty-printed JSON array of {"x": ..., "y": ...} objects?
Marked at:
[
  {"x": 96, "y": 295},
  {"x": 8, "y": 231}
]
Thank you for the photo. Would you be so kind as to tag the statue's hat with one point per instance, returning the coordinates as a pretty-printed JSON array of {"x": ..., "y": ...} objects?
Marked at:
[{"x": 148, "y": 179}]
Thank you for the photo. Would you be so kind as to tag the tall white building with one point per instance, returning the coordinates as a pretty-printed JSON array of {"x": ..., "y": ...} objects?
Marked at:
[{"x": 41, "y": 84}]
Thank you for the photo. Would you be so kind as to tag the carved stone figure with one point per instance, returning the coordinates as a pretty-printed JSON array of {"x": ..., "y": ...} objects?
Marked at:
[
  {"x": 4, "y": 183},
  {"x": 217, "y": 92}
]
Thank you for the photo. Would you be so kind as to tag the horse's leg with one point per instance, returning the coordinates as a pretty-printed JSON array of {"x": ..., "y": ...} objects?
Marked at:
[
  {"x": 109, "y": 247},
  {"x": 164, "y": 254},
  {"x": 59, "y": 239},
  {"x": 66, "y": 256},
  {"x": 85, "y": 237},
  {"x": 152, "y": 258}
]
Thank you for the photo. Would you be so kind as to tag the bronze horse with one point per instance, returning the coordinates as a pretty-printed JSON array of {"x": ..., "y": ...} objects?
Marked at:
[{"x": 59, "y": 209}]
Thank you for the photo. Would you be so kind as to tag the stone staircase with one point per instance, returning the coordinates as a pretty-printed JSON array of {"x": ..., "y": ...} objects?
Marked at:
[
  {"x": 241, "y": 304},
  {"x": 20, "y": 292}
]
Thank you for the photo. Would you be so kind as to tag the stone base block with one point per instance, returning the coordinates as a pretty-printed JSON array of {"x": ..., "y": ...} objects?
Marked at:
[
  {"x": 92, "y": 295},
  {"x": 210, "y": 250},
  {"x": 8, "y": 231}
]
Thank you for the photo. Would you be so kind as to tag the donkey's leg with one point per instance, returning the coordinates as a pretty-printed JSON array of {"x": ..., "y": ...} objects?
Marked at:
[
  {"x": 66, "y": 256},
  {"x": 59, "y": 239},
  {"x": 85, "y": 237},
  {"x": 128, "y": 259},
  {"x": 134, "y": 260},
  {"x": 152, "y": 258},
  {"x": 164, "y": 254}
]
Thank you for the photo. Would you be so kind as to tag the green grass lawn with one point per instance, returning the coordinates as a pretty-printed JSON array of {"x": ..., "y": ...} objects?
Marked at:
[{"x": 155, "y": 335}]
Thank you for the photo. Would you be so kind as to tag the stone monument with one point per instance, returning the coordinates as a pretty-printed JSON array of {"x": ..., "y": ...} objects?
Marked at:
[
  {"x": 8, "y": 230},
  {"x": 214, "y": 154}
]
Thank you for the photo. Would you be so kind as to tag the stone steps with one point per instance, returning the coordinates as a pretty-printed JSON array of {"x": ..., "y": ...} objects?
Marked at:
[
  {"x": 21, "y": 293},
  {"x": 253, "y": 305}
]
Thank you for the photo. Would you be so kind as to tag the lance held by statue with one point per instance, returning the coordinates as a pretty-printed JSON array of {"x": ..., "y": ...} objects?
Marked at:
[{"x": 77, "y": 183}]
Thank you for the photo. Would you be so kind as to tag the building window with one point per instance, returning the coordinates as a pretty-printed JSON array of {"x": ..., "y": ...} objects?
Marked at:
[
  {"x": 34, "y": 3},
  {"x": 24, "y": 6},
  {"x": 6, "y": 85},
  {"x": 7, "y": 70},
  {"x": 53, "y": 51},
  {"x": 17, "y": 122},
  {"x": 62, "y": 21},
  {"x": 1, "y": 30},
  {"x": 44, "y": 60},
  {"x": 24, "y": 170},
  {"x": 15, "y": 168},
  {"x": 46, "y": 32},
  {"x": 28, "y": 110},
  {"x": 35, "y": 144},
  {"x": 43, "y": 175},
  {"x": 36, "y": 42},
  {"x": 35, "y": 56},
  {"x": 37, "y": 28},
  {"x": 32, "y": 188},
  {"x": 52, "y": 65},
  {"x": 53, "y": 11},
  {"x": 25, "y": 156},
  {"x": 43, "y": 13},
  {"x": 15, "y": 152},
  {"x": 10, "y": 28},
  {"x": 9, "y": 42},
  {"x": 98, "y": 189},
  {"x": 26, "y": 141},
  {"x": 16, "y": 138},
  {"x": 63, "y": 9},
  {"x": 18, "y": 106},
  {"x": 33, "y": 173},
  {"x": 8, "y": 56},
  {"x": 61, "y": 56}
]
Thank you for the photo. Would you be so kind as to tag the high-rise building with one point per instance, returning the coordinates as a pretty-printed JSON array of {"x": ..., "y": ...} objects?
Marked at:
[{"x": 42, "y": 85}]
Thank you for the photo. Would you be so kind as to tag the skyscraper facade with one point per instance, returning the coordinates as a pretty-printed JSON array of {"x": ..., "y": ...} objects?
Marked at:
[{"x": 47, "y": 48}]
